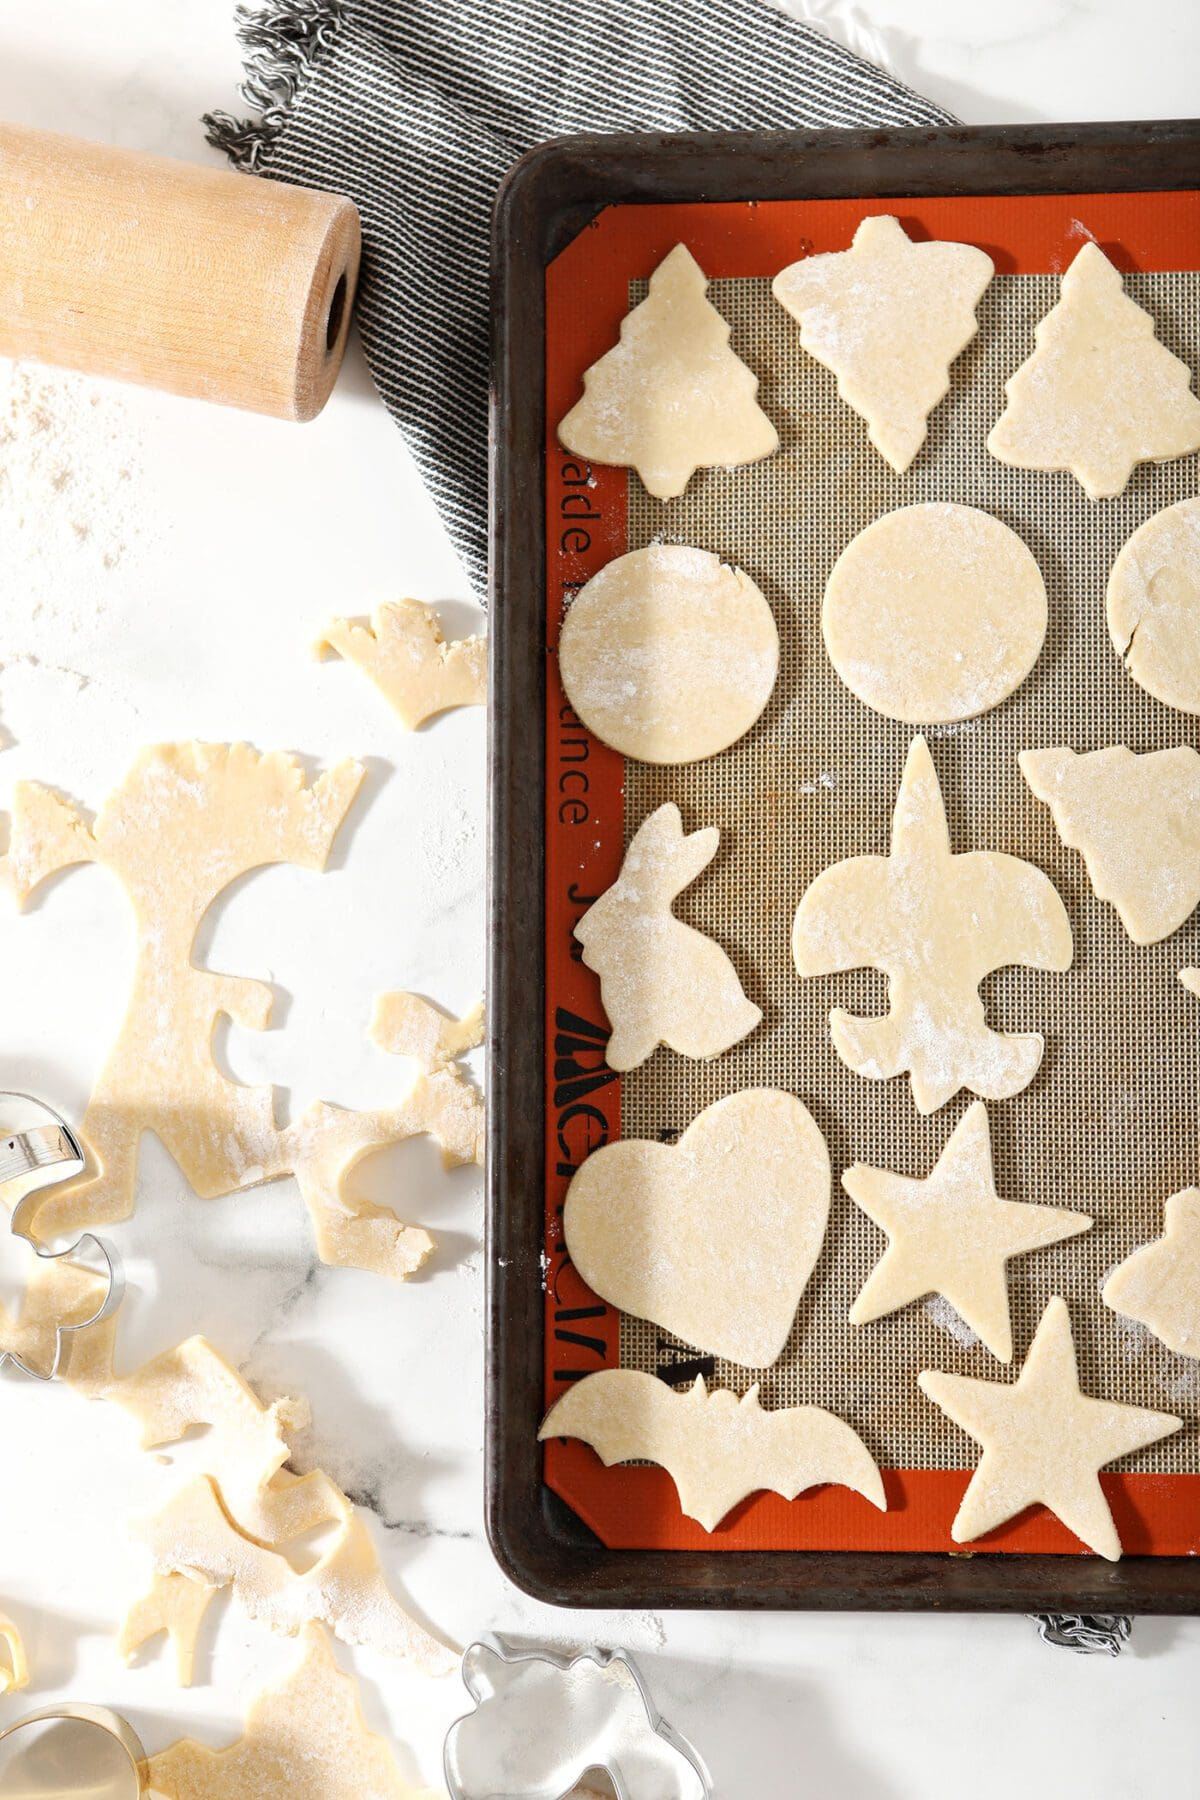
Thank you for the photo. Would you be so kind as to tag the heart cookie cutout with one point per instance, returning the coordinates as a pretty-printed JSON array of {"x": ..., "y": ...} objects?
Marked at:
[{"x": 713, "y": 1238}]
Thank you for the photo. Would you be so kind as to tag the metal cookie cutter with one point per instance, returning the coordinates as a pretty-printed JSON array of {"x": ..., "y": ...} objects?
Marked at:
[
  {"x": 542, "y": 1722},
  {"x": 36, "y": 1156},
  {"x": 72, "y": 1753}
]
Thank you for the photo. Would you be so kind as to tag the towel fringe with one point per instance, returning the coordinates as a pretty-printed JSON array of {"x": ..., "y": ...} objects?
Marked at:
[{"x": 282, "y": 44}]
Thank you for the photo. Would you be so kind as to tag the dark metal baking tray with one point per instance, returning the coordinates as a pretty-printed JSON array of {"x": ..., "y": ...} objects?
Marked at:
[{"x": 549, "y": 197}]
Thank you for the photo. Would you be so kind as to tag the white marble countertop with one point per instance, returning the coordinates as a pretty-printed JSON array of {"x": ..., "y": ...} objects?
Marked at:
[{"x": 231, "y": 540}]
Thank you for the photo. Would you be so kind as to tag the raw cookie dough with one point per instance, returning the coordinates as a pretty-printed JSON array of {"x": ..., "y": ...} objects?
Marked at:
[
  {"x": 888, "y": 316},
  {"x": 1099, "y": 394},
  {"x": 934, "y": 613},
  {"x": 1136, "y": 820},
  {"x": 344, "y": 1588},
  {"x": 405, "y": 654},
  {"x": 951, "y": 1234},
  {"x": 1160, "y": 1283},
  {"x": 715, "y": 1447},
  {"x": 936, "y": 923},
  {"x": 14, "y": 1666},
  {"x": 713, "y": 1238},
  {"x": 671, "y": 397},
  {"x": 304, "y": 1740},
  {"x": 1043, "y": 1441},
  {"x": 1154, "y": 605},
  {"x": 206, "y": 814},
  {"x": 669, "y": 654},
  {"x": 661, "y": 981}
]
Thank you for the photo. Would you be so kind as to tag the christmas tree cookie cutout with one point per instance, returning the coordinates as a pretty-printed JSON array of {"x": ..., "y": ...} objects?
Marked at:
[
  {"x": 1100, "y": 392},
  {"x": 888, "y": 317},
  {"x": 1136, "y": 820},
  {"x": 1044, "y": 1442},
  {"x": 671, "y": 397},
  {"x": 1159, "y": 1285},
  {"x": 952, "y": 1234},
  {"x": 661, "y": 981},
  {"x": 936, "y": 923}
]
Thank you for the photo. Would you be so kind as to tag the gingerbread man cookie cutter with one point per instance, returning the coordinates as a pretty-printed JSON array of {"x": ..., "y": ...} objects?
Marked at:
[{"x": 42, "y": 1154}]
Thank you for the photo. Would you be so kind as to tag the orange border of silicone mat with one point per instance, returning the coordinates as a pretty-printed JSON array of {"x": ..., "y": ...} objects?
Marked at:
[{"x": 586, "y": 519}]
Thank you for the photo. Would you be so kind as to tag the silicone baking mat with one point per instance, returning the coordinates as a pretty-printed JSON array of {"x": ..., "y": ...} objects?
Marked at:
[{"x": 1109, "y": 1126}]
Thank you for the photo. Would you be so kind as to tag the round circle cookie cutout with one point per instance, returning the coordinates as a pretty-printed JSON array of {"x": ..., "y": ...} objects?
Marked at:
[
  {"x": 1153, "y": 605},
  {"x": 668, "y": 654},
  {"x": 934, "y": 613}
]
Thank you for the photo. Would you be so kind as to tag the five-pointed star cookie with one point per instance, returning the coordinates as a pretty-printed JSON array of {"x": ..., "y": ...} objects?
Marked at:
[
  {"x": 951, "y": 1234},
  {"x": 1044, "y": 1442}
]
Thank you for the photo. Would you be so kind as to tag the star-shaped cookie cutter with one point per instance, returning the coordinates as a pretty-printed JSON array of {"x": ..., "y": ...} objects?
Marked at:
[
  {"x": 37, "y": 1157},
  {"x": 542, "y": 1722}
]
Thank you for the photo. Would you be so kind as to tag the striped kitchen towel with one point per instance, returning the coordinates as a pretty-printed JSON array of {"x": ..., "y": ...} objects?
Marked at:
[{"x": 417, "y": 108}]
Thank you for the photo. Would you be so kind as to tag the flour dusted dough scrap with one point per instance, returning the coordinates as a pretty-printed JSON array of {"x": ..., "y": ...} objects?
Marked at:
[
  {"x": 14, "y": 1665},
  {"x": 1100, "y": 393},
  {"x": 186, "y": 822},
  {"x": 1136, "y": 820},
  {"x": 936, "y": 923},
  {"x": 1160, "y": 1283},
  {"x": 713, "y": 1238},
  {"x": 951, "y": 1234},
  {"x": 661, "y": 981},
  {"x": 671, "y": 397},
  {"x": 669, "y": 654},
  {"x": 716, "y": 1448},
  {"x": 404, "y": 652},
  {"x": 934, "y": 613},
  {"x": 1044, "y": 1442},
  {"x": 304, "y": 1740},
  {"x": 1154, "y": 605},
  {"x": 888, "y": 316}
]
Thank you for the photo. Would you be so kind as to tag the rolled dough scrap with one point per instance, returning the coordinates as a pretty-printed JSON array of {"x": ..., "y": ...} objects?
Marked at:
[
  {"x": 670, "y": 397},
  {"x": 888, "y": 317},
  {"x": 716, "y": 1448},
  {"x": 713, "y": 1238},
  {"x": 1191, "y": 980},
  {"x": 951, "y": 1234},
  {"x": 661, "y": 981},
  {"x": 14, "y": 1666},
  {"x": 1160, "y": 1283},
  {"x": 669, "y": 654},
  {"x": 185, "y": 823},
  {"x": 1099, "y": 394},
  {"x": 175, "y": 1606},
  {"x": 934, "y": 613},
  {"x": 1044, "y": 1442},
  {"x": 304, "y": 1740},
  {"x": 404, "y": 652},
  {"x": 1136, "y": 820},
  {"x": 344, "y": 1589},
  {"x": 1154, "y": 605},
  {"x": 936, "y": 923}
]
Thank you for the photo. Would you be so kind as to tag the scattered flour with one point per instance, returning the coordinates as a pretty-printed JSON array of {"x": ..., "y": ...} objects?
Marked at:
[{"x": 939, "y": 1309}]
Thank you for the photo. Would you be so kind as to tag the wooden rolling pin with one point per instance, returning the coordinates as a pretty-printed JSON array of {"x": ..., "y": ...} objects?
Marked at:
[{"x": 196, "y": 280}]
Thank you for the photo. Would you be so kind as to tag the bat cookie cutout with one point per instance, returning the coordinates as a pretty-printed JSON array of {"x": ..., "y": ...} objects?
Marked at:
[
  {"x": 713, "y": 1238},
  {"x": 661, "y": 981},
  {"x": 716, "y": 1448}
]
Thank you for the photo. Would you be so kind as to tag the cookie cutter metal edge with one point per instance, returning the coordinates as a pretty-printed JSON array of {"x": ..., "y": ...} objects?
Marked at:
[
  {"x": 564, "y": 1663},
  {"x": 34, "y": 1151},
  {"x": 104, "y": 1719}
]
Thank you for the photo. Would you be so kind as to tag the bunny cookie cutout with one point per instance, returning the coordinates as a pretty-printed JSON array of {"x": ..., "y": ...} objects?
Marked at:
[{"x": 662, "y": 982}]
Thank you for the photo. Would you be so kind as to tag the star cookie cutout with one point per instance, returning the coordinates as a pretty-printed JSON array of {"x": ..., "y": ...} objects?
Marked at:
[
  {"x": 1044, "y": 1442},
  {"x": 951, "y": 1234}
]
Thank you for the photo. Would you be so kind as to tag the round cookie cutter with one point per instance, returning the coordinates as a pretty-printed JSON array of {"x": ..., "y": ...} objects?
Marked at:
[{"x": 72, "y": 1753}]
